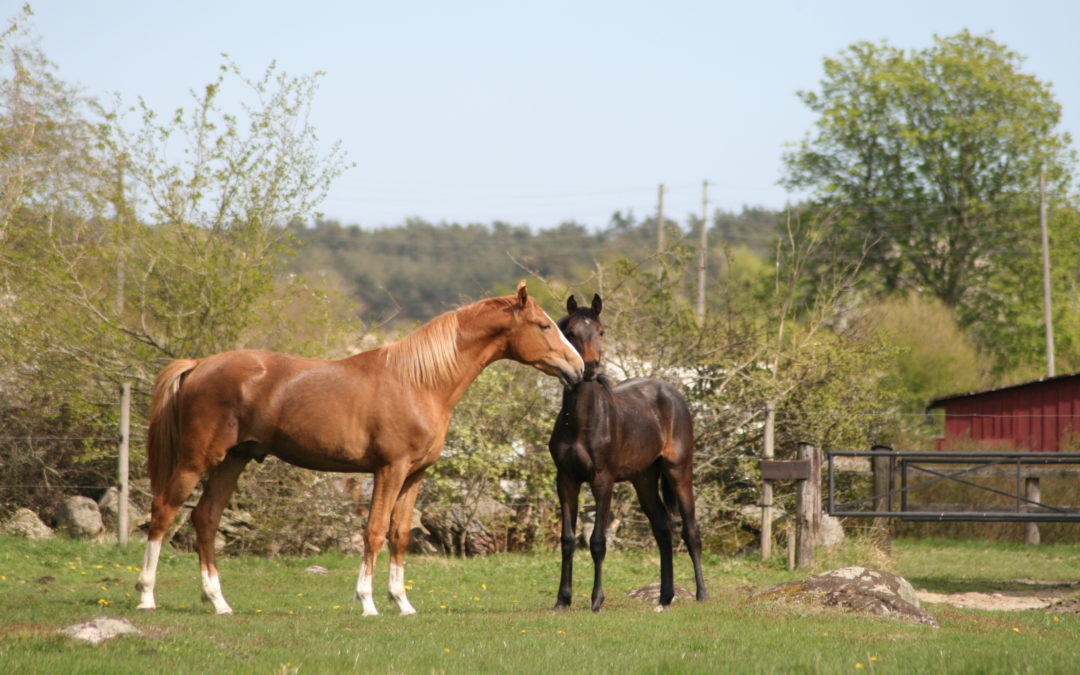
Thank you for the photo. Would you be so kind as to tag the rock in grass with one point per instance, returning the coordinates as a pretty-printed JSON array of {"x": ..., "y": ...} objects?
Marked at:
[
  {"x": 651, "y": 593},
  {"x": 101, "y": 629},
  {"x": 25, "y": 523},
  {"x": 855, "y": 589}
]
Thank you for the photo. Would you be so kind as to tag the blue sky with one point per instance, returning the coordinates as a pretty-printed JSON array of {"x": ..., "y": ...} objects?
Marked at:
[{"x": 536, "y": 112}]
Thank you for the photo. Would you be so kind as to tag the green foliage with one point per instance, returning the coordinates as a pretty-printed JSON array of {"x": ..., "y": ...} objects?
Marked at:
[
  {"x": 496, "y": 449},
  {"x": 927, "y": 164},
  {"x": 116, "y": 258},
  {"x": 933, "y": 357}
]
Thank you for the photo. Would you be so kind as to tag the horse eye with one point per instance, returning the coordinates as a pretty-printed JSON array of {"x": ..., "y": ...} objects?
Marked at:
[{"x": 544, "y": 326}]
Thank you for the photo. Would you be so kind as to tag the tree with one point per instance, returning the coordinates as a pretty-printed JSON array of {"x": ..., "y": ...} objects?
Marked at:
[
  {"x": 116, "y": 257},
  {"x": 931, "y": 161}
]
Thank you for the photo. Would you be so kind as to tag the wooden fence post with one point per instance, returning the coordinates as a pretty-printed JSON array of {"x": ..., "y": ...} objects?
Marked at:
[
  {"x": 808, "y": 507},
  {"x": 1032, "y": 492},
  {"x": 883, "y": 484},
  {"x": 766, "y": 485},
  {"x": 122, "y": 464}
]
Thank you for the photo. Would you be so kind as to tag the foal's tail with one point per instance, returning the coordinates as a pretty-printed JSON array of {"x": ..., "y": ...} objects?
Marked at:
[{"x": 164, "y": 435}]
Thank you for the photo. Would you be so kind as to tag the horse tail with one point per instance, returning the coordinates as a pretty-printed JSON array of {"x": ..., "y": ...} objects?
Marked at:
[{"x": 163, "y": 443}]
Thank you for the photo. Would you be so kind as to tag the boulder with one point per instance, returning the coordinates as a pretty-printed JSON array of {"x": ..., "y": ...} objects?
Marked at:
[
  {"x": 468, "y": 532},
  {"x": 854, "y": 589},
  {"x": 100, "y": 629},
  {"x": 750, "y": 515},
  {"x": 25, "y": 523},
  {"x": 79, "y": 517},
  {"x": 831, "y": 533}
]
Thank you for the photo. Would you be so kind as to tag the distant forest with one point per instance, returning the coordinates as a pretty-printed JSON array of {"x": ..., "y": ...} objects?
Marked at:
[{"x": 417, "y": 270}]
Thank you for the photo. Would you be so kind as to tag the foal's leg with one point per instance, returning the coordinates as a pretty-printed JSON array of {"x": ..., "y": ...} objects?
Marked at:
[
  {"x": 207, "y": 516},
  {"x": 400, "y": 525},
  {"x": 682, "y": 479},
  {"x": 388, "y": 482},
  {"x": 647, "y": 487},
  {"x": 162, "y": 513},
  {"x": 601, "y": 488},
  {"x": 568, "y": 490}
]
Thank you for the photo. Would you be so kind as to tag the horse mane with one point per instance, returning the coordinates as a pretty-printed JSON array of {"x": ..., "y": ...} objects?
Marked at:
[{"x": 429, "y": 354}]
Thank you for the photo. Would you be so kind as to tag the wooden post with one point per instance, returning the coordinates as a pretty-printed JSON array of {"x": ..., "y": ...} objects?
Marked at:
[
  {"x": 122, "y": 464},
  {"x": 766, "y": 485},
  {"x": 790, "y": 530},
  {"x": 808, "y": 507},
  {"x": 883, "y": 484},
  {"x": 1032, "y": 492}
]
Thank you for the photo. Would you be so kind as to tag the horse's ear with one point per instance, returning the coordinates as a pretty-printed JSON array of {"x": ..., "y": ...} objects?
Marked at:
[
  {"x": 522, "y": 293},
  {"x": 597, "y": 304},
  {"x": 571, "y": 305}
]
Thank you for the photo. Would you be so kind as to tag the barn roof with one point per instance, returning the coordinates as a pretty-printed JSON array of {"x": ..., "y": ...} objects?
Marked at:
[{"x": 939, "y": 402}]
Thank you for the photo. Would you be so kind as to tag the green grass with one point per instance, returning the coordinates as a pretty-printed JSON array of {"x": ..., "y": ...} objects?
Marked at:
[{"x": 492, "y": 615}]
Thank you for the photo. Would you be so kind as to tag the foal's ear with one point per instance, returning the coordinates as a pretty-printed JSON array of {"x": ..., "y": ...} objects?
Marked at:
[
  {"x": 597, "y": 304},
  {"x": 571, "y": 305},
  {"x": 522, "y": 293}
]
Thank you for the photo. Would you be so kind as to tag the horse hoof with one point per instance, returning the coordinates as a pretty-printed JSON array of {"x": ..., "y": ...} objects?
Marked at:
[
  {"x": 223, "y": 611},
  {"x": 146, "y": 608},
  {"x": 660, "y": 608},
  {"x": 561, "y": 606}
]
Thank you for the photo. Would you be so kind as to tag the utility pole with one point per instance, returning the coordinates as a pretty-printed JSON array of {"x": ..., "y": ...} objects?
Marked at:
[
  {"x": 1048, "y": 321},
  {"x": 703, "y": 246},
  {"x": 660, "y": 244}
]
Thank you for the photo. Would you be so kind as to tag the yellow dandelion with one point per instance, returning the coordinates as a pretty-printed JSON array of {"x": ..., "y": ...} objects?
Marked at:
[
  {"x": 258, "y": 611},
  {"x": 99, "y": 567},
  {"x": 873, "y": 658},
  {"x": 1056, "y": 618},
  {"x": 523, "y": 631},
  {"x": 858, "y": 665},
  {"x": 560, "y": 632},
  {"x": 299, "y": 595},
  {"x": 476, "y": 598},
  {"x": 483, "y": 587},
  {"x": 408, "y": 587},
  {"x": 1016, "y": 629},
  {"x": 446, "y": 649},
  {"x": 442, "y": 606},
  {"x": 103, "y": 601},
  {"x": 183, "y": 606},
  {"x": 291, "y": 612},
  {"x": 337, "y": 606}
]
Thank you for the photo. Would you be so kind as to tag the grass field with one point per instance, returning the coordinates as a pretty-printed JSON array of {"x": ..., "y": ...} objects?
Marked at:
[{"x": 492, "y": 615}]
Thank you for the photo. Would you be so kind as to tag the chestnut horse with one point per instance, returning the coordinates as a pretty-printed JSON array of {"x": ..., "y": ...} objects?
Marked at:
[
  {"x": 639, "y": 430},
  {"x": 385, "y": 411}
]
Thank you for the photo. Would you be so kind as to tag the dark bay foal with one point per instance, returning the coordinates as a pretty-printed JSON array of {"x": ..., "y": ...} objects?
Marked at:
[{"x": 640, "y": 431}]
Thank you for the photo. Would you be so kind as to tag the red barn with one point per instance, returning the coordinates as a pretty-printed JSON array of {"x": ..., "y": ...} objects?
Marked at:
[{"x": 1037, "y": 416}]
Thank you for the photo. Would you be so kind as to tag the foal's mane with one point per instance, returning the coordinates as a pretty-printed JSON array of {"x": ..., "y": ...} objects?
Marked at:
[{"x": 429, "y": 355}]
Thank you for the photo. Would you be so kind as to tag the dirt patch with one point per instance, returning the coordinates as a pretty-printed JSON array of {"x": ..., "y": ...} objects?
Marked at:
[{"x": 1036, "y": 594}]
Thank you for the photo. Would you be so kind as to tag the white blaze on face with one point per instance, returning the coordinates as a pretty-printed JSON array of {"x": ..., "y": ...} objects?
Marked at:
[{"x": 561, "y": 336}]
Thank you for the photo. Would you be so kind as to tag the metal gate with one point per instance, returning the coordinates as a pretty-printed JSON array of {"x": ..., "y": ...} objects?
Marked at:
[{"x": 921, "y": 469}]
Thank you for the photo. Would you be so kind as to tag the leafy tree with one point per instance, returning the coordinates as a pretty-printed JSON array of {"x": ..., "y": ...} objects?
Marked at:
[
  {"x": 116, "y": 258},
  {"x": 929, "y": 163}
]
